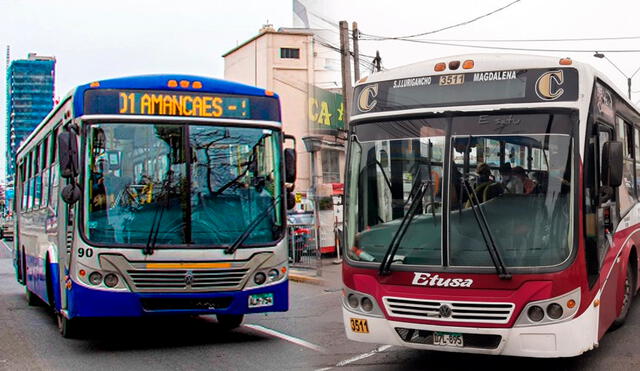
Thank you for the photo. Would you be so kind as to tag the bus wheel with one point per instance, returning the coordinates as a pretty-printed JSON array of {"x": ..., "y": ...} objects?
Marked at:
[
  {"x": 229, "y": 321},
  {"x": 32, "y": 299},
  {"x": 626, "y": 299},
  {"x": 68, "y": 328}
]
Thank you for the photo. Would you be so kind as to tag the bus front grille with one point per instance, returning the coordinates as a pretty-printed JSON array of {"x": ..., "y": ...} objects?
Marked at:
[
  {"x": 452, "y": 311},
  {"x": 187, "y": 280}
]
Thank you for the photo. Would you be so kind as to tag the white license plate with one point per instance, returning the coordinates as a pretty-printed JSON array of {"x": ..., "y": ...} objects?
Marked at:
[
  {"x": 260, "y": 300},
  {"x": 448, "y": 339}
]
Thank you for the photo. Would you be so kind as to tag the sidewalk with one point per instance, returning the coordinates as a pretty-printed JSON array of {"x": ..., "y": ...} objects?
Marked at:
[{"x": 330, "y": 274}]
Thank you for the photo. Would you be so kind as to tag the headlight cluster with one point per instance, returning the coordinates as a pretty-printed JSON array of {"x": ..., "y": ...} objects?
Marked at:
[
  {"x": 268, "y": 275},
  {"x": 97, "y": 278},
  {"x": 360, "y": 302},
  {"x": 552, "y": 310}
]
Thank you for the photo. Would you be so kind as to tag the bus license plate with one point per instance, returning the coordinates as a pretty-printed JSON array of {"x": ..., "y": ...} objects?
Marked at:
[
  {"x": 260, "y": 300},
  {"x": 448, "y": 339},
  {"x": 359, "y": 325}
]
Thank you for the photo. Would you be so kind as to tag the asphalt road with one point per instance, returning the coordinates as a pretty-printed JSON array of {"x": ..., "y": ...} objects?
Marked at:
[{"x": 308, "y": 337}]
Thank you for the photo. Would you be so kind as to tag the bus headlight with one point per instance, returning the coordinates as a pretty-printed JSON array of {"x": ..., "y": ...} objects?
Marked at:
[
  {"x": 95, "y": 278},
  {"x": 259, "y": 278},
  {"x": 367, "y": 304},
  {"x": 353, "y": 301},
  {"x": 360, "y": 302},
  {"x": 110, "y": 280},
  {"x": 543, "y": 312},
  {"x": 273, "y": 274}
]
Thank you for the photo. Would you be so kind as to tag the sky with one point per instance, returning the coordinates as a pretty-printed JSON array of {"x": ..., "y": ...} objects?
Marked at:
[{"x": 94, "y": 40}]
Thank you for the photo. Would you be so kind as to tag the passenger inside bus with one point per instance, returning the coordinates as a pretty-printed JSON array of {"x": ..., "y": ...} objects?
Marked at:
[{"x": 486, "y": 187}]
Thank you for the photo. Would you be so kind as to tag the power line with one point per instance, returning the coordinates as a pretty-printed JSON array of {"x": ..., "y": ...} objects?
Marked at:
[
  {"x": 531, "y": 40},
  {"x": 444, "y": 28},
  {"x": 591, "y": 50}
]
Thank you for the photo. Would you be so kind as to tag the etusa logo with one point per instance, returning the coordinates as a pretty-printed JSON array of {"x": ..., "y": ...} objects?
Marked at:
[
  {"x": 427, "y": 279},
  {"x": 365, "y": 99}
]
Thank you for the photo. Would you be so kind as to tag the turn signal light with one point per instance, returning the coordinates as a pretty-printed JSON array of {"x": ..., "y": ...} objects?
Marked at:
[
  {"x": 94, "y": 84},
  {"x": 566, "y": 61},
  {"x": 268, "y": 93},
  {"x": 571, "y": 303},
  {"x": 468, "y": 64},
  {"x": 440, "y": 67},
  {"x": 172, "y": 84},
  {"x": 197, "y": 85},
  {"x": 184, "y": 84},
  {"x": 82, "y": 272}
]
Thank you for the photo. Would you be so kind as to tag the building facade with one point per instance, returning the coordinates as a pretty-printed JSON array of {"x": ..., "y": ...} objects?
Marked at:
[
  {"x": 304, "y": 71},
  {"x": 30, "y": 97}
]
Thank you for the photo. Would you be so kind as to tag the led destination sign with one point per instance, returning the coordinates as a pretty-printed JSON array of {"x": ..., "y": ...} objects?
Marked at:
[
  {"x": 468, "y": 88},
  {"x": 183, "y": 104}
]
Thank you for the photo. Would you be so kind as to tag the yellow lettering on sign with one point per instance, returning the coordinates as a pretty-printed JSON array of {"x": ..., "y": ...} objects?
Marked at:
[
  {"x": 146, "y": 106},
  {"x": 207, "y": 103},
  {"x": 217, "y": 107},
  {"x": 176, "y": 107},
  {"x": 197, "y": 106},
  {"x": 156, "y": 101},
  {"x": 166, "y": 106},
  {"x": 187, "y": 106},
  {"x": 341, "y": 112},
  {"x": 325, "y": 117},
  {"x": 123, "y": 103},
  {"x": 313, "y": 107}
]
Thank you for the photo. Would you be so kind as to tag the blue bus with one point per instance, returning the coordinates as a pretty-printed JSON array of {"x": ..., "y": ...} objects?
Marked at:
[{"x": 159, "y": 194}]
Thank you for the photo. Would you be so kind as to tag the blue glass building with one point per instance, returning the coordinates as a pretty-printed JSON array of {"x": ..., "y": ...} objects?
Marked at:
[{"x": 30, "y": 97}]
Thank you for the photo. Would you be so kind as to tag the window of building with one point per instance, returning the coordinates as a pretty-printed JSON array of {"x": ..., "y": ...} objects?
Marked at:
[
  {"x": 290, "y": 53},
  {"x": 330, "y": 166}
]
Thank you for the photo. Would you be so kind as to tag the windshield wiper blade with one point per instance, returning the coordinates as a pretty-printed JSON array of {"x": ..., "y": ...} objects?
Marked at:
[
  {"x": 487, "y": 236},
  {"x": 254, "y": 223},
  {"x": 417, "y": 193},
  {"x": 157, "y": 218}
]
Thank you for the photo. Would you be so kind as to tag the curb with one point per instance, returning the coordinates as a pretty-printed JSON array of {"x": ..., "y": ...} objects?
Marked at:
[{"x": 298, "y": 277}]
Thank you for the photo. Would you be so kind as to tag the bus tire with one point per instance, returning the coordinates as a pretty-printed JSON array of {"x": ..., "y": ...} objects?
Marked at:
[
  {"x": 32, "y": 299},
  {"x": 229, "y": 321},
  {"x": 629, "y": 289},
  {"x": 68, "y": 328},
  {"x": 49, "y": 280}
]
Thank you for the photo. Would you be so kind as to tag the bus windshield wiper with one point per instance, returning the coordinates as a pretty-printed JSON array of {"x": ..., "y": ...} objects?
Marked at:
[
  {"x": 416, "y": 194},
  {"x": 487, "y": 236},
  {"x": 157, "y": 217},
  {"x": 254, "y": 223}
]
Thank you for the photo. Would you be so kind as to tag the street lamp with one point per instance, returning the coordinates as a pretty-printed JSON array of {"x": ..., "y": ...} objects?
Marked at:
[{"x": 601, "y": 56}]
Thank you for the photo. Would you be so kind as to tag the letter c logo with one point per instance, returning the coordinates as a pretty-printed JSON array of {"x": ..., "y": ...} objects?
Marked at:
[
  {"x": 365, "y": 103},
  {"x": 548, "y": 85}
]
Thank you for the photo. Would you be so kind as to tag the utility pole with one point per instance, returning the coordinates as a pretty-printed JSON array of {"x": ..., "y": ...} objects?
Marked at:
[
  {"x": 356, "y": 51},
  {"x": 345, "y": 58},
  {"x": 377, "y": 62}
]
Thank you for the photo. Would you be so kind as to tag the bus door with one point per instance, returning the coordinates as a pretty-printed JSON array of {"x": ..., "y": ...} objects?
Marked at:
[{"x": 600, "y": 222}]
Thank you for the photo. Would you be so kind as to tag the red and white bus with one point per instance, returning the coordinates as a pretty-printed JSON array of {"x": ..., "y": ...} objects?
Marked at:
[{"x": 491, "y": 206}]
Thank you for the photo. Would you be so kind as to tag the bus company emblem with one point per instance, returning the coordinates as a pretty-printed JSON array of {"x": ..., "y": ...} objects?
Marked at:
[
  {"x": 548, "y": 85},
  {"x": 365, "y": 101},
  {"x": 188, "y": 278},
  {"x": 434, "y": 280},
  {"x": 445, "y": 311}
]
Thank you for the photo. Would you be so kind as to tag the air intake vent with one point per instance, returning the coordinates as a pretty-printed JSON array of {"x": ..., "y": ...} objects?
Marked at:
[{"x": 452, "y": 311}]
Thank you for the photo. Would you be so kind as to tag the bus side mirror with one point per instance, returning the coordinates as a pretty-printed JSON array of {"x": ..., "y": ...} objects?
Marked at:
[
  {"x": 68, "y": 154},
  {"x": 289, "y": 165},
  {"x": 611, "y": 168},
  {"x": 71, "y": 193}
]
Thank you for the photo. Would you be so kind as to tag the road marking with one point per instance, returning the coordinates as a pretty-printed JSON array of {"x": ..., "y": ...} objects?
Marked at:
[
  {"x": 357, "y": 358},
  {"x": 286, "y": 337},
  {"x": 5, "y": 245}
]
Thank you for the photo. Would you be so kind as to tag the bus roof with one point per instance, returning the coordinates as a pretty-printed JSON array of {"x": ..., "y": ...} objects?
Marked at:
[
  {"x": 485, "y": 62},
  {"x": 160, "y": 82}
]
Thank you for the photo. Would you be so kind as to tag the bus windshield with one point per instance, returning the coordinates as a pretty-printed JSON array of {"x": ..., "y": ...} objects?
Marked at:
[
  {"x": 181, "y": 184},
  {"x": 517, "y": 168}
]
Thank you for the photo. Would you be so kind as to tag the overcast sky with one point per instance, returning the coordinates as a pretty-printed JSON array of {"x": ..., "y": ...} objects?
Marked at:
[{"x": 93, "y": 40}]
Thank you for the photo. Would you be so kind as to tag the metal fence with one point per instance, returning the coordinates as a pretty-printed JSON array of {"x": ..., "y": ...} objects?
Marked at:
[{"x": 303, "y": 247}]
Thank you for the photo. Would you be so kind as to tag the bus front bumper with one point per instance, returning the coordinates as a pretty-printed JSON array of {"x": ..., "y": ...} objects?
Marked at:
[
  {"x": 87, "y": 302},
  {"x": 565, "y": 339}
]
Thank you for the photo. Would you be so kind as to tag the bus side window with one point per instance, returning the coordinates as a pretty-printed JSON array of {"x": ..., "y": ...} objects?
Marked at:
[{"x": 636, "y": 152}]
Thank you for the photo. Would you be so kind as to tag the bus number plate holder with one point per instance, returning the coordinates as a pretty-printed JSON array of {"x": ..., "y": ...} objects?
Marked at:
[
  {"x": 359, "y": 325},
  {"x": 448, "y": 339}
]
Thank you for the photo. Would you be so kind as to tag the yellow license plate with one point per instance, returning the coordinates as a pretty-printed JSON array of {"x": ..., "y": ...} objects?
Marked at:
[{"x": 359, "y": 325}]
